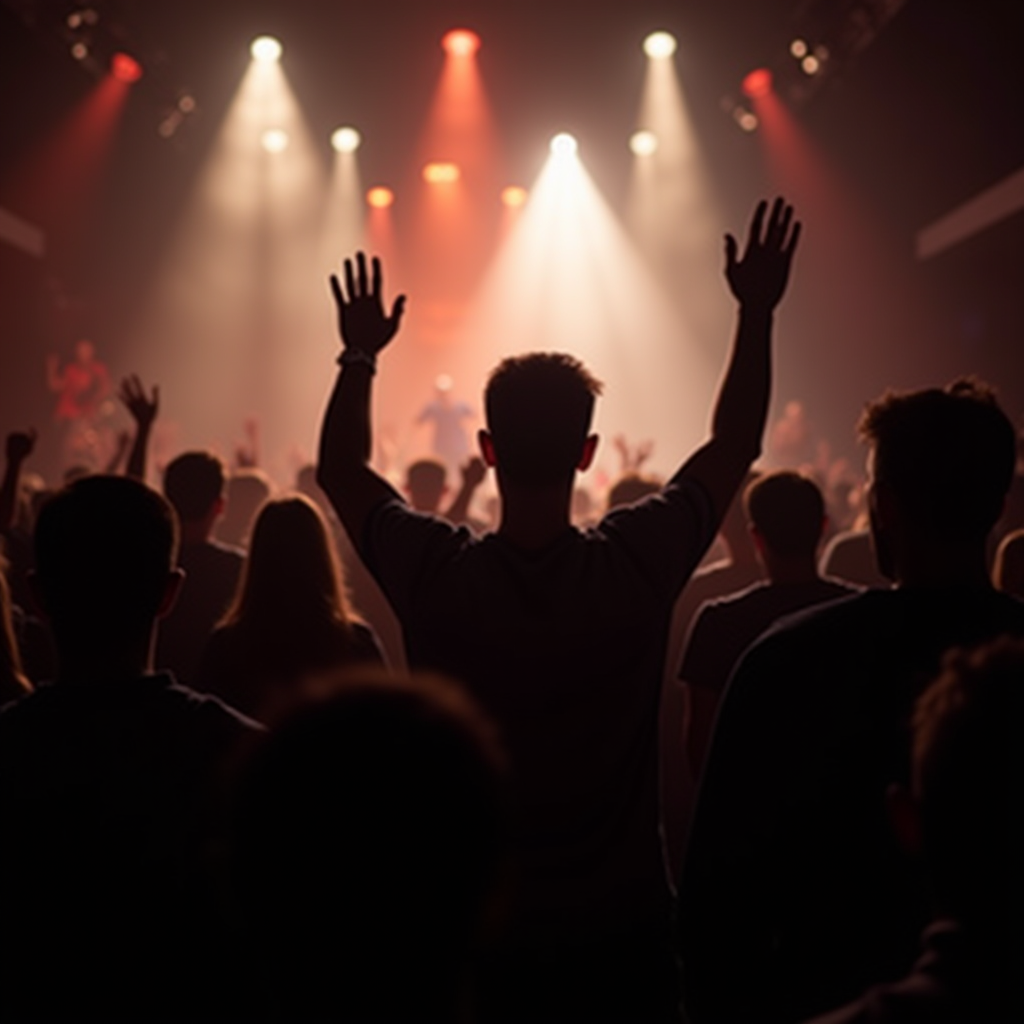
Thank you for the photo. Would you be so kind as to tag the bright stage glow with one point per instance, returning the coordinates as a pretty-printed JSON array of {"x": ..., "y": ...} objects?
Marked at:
[
  {"x": 346, "y": 140},
  {"x": 798, "y": 48},
  {"x": 514, "y": 196},
  {"x": 810, "y": 64},
  {"x": 460, "y": 42},
  {"x": 79, "y": 51},
  {"x": 564, "y": 145},
  {"x": 380, "y": 198},
  {"x": 746, "y": 119},
  {"x": 643, "y": 143},
  {"x": 758, "y": 83},
  {"x": 125, "y": 68},
  {"x": 274, "y": 140},
  {"x": 660, "y": 45},
  {"x": 187, "y": 104},
  {"x": 266, "y": 50},
  {"x": 441, "y": 173}
]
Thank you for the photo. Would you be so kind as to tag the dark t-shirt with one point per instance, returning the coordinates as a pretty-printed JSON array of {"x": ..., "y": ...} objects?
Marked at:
[
  {"x": 564, "y": 648},
  {"x": 725, "y": 628},
  {"x": 212, "y": 571},
  {"x": 793, "y": 881},
  {"x": 107, "y": 807}
]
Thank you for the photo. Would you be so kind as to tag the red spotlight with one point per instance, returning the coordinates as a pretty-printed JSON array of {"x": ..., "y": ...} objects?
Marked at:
[
  {"x": 758, "y": 83},
  {"x": 460, "y": 42},
  {"x": 125, "y": 68}
]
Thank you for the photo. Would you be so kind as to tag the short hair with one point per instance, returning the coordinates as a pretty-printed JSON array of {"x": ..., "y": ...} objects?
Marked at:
[
  {"x": 104, "y": 547},
  {"x": 193, "y": 482},
  {"x": 968, "y": 728},
  {"x": 946, "y": 454},
  {"x": 539, "y": 408},
  {"x": 788, "y": 511}
]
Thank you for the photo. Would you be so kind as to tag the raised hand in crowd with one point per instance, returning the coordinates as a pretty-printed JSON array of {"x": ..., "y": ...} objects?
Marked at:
[
  {"x": 143, "y": 409},
  {"x": 758, "y": 279},
  {"x": 473, "y": 473},
  {"x": 363, "y": 324}
]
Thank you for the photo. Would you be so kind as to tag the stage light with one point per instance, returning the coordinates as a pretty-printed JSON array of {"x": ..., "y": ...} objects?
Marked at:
[
  {"x": 346, "y": 140},
  {"x": 798, "y": 48},
  {"x": 79, "y": 51},
  {"x": 380, "y": 198},
  {"x": 660, "y": 45},
  {"x": 514, "y": 196},
  {"x": 564, "y": 145},
  {"x": 187, "y": 104},
  {"x": 125, "y": 68},
  {"x": 746, "y": 119},
  {"x": 460, "y": 42},
  {"x": 758, "y": 83},
  {"x": 274, "y": 140},
  {"x": 643, "y": 143},
  {"x": 441, "y": 173},
  {"x": 810, "y": 64},
  {"x": 266, "y": 50}
]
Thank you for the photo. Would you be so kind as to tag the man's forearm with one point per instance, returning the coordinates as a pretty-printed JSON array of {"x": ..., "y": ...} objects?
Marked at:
[
  {"x": 346, "y": 437},
  {"x": 741, "y": 409}
]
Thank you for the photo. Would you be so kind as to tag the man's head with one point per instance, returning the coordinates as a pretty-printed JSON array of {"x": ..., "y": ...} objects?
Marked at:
[
  {"x": 105, "y": 548},
  {"x": 426, "y": 481},
  {"x": 786, "y": 513},
  {"x": 539, "y": 409},
  {"x": 85, "y": 352},
  {"x": 968, "y": 729},
  {"x": 941, "y": 462},
  {"x": 194, "y": 485}
]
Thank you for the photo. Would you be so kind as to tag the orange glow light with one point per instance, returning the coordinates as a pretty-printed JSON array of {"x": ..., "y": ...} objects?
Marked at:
[
  {"x": 380, "y": 198},
  {"x": 514, "y": 196},
  {"x": 460, "y": 42},
  {"x": 758, "y": 83},
  {"x": 441, "y": 173}
]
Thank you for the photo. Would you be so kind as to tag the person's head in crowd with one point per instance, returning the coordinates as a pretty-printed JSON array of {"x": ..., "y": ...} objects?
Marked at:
[
  {"x": 539, "y": 409},
  {"x": 426, "y": 483},
  {"x": 1008, "y": 570},
  {"x": 292, "y": 573},
  {"x": 247, "y": 490},
  {"x": 632, "y": 487},
  {"x": 105, "y": 550},
  {"x": 13, "y": 682},
  {"x": 368, "y": 837},
  {"x": 965, "y": 820},
  {"x": 786, "y": 515},
  {"x": 940, "y": 464},
  {"x": 194, "y": 485}
]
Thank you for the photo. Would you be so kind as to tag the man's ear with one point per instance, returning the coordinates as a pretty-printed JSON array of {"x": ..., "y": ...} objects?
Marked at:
[
  {"x": 904, "y": 816},
  {"x": 589, "y": 449},
  {"x": 172, "y": 588},
  {"x": 486, "y": 443}
]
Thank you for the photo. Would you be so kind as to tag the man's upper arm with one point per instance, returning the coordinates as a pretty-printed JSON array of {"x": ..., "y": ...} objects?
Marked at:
[
  {"x": 719, "y": 468},
  {"x": 355, "y": 496}
]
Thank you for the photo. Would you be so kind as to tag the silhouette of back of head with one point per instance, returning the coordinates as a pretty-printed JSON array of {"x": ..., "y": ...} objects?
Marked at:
[
  {"x": 370, "y": 829},
  {"x": 104, "y": 548},
  {"x": 947, "y": 455},
  {"x": 425, "y": 480},
  {"x": 539, "y": 408},
  {"x": 788, "y": 511},
  {"x": 193, "y": 482}
]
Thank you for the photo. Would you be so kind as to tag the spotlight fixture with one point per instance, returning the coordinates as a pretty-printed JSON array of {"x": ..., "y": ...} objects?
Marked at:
[
  {"x": 810, "y": 64},
  {"x": 643, "y": 143},
  {"x": 460, "y": 42},
  {"x": 187, "y": 104},
  {"x": 274, "y": 140},
  {"x": 380, "y": 198},
  {"x": 125, "y": 68},
  {"x": 266, "y": 50},
  {"x": 514, "y": 196},
  {"x": 346, "y": 140},
  {"x": 758, "y": 83},
  {"x": 441, "y": 173},
  {"x": 798, "y": 49},
  {"x": 79, "y": 51},
  {"x": 564, "y": 145},
  {"x": 746, "y": 119},
  {"x": 660, "y": 45}
]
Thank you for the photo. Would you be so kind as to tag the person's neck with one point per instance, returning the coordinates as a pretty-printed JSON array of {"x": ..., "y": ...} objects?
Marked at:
[
  {"x": 87, "y": 663},
  {"x": 943, "y": 566},
  {"x": 196, "y": 532},
  {"x": 742, "y": 554},
  {"x": 534, "y": 517},
  {"x": 785, "y": 572}
]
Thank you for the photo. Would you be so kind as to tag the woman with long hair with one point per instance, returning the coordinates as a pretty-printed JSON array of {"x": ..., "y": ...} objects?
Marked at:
[{"x": 290, "y": 619}]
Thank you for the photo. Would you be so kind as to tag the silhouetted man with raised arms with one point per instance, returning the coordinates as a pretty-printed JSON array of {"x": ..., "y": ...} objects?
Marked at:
[{"x": 561, "y": 634}]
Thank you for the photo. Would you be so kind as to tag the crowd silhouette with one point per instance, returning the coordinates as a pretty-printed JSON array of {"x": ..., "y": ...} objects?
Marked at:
[{"x": 338, "y": 753}]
